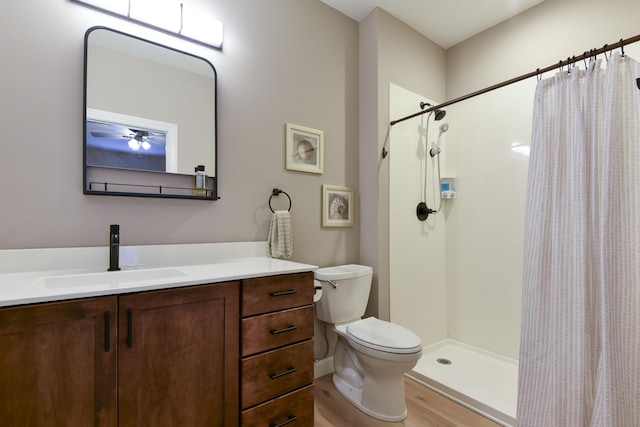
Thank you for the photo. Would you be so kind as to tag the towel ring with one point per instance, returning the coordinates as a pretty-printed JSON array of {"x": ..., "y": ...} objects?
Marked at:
[{"x": 276, "y": 192}]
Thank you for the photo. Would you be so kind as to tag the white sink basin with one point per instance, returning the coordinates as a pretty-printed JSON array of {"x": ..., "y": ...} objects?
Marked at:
[{"x": 107, "y": 279}]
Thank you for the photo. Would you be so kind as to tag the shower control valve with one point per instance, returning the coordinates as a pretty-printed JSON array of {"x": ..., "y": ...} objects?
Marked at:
[{"x": 423, "y": 211}]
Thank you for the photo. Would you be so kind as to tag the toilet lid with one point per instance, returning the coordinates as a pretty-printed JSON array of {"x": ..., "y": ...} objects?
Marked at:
[{"x": 385, "y": 336}]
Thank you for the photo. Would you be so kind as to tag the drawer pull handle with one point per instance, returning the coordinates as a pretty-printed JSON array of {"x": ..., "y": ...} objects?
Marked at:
[
  {"x": 283, "y": 293},
  {"x": 282, "y": 374},
  {"x": 287, "y": 329},
  {"x": 290, "y": 419}
]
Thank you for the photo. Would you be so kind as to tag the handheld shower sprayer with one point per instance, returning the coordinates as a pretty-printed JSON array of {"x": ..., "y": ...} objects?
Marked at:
[
  {"x": 443, "y": 128},
  {"x": 422, "y": 210}
]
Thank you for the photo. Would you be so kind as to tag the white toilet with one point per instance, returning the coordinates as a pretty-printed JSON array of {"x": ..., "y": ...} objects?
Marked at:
[{"x": 371, "y": 355}]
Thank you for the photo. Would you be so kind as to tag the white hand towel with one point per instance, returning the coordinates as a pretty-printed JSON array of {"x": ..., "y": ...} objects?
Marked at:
[{"x": 279, "y": 238}]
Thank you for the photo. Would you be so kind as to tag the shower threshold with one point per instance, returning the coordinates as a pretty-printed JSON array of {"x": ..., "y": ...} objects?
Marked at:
[{"x": 483, "y": 381}]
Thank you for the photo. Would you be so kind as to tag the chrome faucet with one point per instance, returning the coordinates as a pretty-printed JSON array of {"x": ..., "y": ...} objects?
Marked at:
[{"x": 114, "y": 247}]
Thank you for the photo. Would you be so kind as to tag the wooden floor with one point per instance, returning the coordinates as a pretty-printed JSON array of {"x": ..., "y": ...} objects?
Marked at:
[{"x": 426, "y": 409}]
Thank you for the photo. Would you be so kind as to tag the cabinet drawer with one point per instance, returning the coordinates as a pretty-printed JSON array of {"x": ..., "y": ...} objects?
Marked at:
[
  {"x": 277, "y": 372},
  {"x": 265, "y": 294},
  {"x": 293, "y": 410},
  {"x": 269, "y": 331}
]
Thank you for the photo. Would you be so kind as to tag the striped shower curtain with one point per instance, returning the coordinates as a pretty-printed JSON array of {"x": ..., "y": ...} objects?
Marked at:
[{"x": 580, "y": 345}]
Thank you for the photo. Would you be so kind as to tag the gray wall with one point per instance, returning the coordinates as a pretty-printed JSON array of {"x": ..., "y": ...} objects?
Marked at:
[{"x": 283, "y": 61}]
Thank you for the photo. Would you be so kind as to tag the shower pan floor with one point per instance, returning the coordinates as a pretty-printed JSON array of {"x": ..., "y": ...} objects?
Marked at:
[{"x": 483, "y": 381}]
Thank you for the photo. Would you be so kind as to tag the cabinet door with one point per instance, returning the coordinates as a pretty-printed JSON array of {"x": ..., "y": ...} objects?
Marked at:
[
  {"x": 58, "y": 364},
  {"x": 178, "y": 357}
]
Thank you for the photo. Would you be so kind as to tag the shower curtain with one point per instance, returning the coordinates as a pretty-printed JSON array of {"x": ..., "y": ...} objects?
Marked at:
[{"x": 580, "y": 344}]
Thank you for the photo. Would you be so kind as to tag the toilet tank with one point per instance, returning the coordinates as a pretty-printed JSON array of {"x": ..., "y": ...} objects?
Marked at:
[{"x": 348, "y": 301}]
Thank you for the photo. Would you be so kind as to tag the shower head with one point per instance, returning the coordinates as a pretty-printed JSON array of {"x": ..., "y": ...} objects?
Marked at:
[
  {"x": 440, "y": 114},
  {"x": 443, "y": 128}
]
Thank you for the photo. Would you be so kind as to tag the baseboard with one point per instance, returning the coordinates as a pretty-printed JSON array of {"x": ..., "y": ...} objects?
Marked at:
[{"x": 322, "y": 367}]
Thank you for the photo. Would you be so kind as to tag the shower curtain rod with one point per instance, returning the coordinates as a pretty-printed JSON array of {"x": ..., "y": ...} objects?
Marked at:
[{"x": 592, "y": 53}]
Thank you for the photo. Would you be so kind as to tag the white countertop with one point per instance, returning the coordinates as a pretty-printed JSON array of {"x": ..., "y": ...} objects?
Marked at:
[{"x": 40, "y": 275}]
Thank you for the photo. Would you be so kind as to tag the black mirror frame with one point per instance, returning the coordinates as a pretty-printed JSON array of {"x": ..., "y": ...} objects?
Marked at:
[{"x": 146, "y": 190}]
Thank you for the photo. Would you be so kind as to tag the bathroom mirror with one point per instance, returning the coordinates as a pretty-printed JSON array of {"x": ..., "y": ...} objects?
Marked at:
[{"x": 150, "y": 119}]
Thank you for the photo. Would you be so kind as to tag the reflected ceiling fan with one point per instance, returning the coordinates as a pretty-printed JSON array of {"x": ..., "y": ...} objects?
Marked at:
[{"x": 137, "y": 138}]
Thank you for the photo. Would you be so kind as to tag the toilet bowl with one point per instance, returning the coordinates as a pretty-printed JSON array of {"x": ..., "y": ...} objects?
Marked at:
[
  {"x": 369, "y": 366},
  {"x": 371, "y": 355}
]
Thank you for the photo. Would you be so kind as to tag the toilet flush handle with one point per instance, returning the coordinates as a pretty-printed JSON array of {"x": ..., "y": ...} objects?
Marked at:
[{"x": 332, "y": 283}]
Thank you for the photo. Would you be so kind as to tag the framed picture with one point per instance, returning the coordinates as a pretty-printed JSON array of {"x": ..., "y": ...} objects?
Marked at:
[
  {"x": 337, "y": 206},
  {"x": 304, "y": 149}
]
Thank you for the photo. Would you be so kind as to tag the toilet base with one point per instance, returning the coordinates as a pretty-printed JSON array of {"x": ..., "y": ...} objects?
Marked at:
[{"x": 354, "y": 396}]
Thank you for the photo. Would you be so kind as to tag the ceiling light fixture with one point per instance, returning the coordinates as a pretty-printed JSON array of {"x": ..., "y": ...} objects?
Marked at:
[
  {"x": 134, "y": 145},
  {"x": 193, "y": 25},
  {"x": 138, "y": 141}
]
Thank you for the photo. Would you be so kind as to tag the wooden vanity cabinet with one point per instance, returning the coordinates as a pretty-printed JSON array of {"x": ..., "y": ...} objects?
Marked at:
[
  {"x": 277, "y": 351},
  {"x": 58, "y": 364},
  {"x": 206, "y": 355},
  {"x": 157, "y": 358}
]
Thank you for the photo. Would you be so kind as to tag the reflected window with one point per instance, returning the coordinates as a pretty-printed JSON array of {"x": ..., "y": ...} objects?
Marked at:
[{"x": 118, "y": 146}]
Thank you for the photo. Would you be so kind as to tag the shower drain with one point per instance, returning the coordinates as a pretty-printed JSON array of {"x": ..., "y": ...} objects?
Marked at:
[{"x": 444, "y": 361}]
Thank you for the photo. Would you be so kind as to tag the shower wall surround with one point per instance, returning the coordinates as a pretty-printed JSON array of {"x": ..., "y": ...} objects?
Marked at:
[
  {"x": 486, "y": 150},
  {"x": 417, "y": 258},
  {"x": 496, "y": 134}
]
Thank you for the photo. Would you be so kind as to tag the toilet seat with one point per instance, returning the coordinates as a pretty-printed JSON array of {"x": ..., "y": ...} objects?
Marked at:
[{"x": 383, "y": 336}]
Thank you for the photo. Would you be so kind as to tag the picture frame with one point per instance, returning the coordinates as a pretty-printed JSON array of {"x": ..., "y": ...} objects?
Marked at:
[
  {"x": 337, "y": 206},
  {"x": 304, "y": 149}
]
